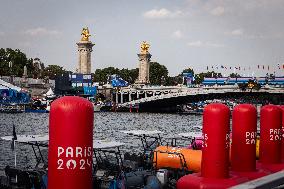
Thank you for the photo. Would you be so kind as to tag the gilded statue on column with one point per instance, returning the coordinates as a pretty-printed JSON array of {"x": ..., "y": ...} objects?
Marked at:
[
  {"x": 85, "y": 34},
  {"x": 144, "y": 47}
]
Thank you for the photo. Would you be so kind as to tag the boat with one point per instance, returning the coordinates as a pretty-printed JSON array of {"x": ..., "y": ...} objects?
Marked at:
[
  {"x": 28, "y": 177},
  {"x": 110, "y": 169},
  {"x": 12, "y": 108},
  {"x": 36, "y": 111},
  {"x": 157, "y": 149},
  {"x": 97, "y": 107}
]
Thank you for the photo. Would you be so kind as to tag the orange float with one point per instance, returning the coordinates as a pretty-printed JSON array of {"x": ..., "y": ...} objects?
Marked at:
[
  {"x": 175, "y": 157},
  {"x": 192, "y": 157}
]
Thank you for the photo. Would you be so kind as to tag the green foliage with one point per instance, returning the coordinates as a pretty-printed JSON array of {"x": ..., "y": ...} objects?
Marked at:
[
  {"x": 158, "y": 73},
  {"x": 199, "y": 78},
  {"x": 51, "y": 71},
  {"x": 102, "y": 75},
  {"x": 172, "y": 81},
  {"x": 129, "y": 75},
  {"x": 17, "y": 61},
  {"x": 188, "y": 70},
  {"x": 234, "y": 75}
]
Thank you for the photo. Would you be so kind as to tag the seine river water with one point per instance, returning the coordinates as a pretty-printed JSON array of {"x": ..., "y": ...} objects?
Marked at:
[{"x": 106, "y": 126}]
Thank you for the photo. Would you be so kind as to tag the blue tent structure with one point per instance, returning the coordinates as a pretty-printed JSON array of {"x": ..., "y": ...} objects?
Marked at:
[
  {"x": 90, "y": 90},
  {"x": 12, "y": 94},
  {"x": 117, "y": 81}
]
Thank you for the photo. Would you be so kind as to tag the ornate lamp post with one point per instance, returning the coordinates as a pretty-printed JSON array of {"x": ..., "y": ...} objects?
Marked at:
[{"x": 10, "y": 70}]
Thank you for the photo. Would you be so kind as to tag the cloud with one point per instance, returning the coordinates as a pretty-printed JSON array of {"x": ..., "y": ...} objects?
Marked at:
[
  {"x": 177, "y": 34},
  {"x": 2, "y": 33},
  {"x": 161, "y": 13},
  {"x": 218, "y": 11},
  {"x": 236, "y": 32},
  {"x": 41, "y": 32},
  {"x": 204, "y": 44},
  {"x": 25, "y": 44}
]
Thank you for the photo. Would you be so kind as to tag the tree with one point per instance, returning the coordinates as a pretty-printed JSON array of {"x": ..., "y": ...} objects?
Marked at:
[
  {"x": 171, "y": 81},
  {"x": 199, "y": 78},
  {"x": 188, "y": 70},
  {"x": 101, "y": 75},
  {"x": 157, "y": 72},
  {"x": 234, "y": 75},
  {"x": 12, "y": 62},
  {"x": 129, "y": 75},
  {"x": 51, "y": 71}
]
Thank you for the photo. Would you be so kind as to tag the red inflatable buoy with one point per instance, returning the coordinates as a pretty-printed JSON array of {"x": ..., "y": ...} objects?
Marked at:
[
  {"x": 282, "y": 144},
  {"x": 270, "y": 138},
  {"x": 216, "y": 142},
  {"x": 270, "y": 134},
  {"x": 70, "y": 144},
  {"x": 243, "y": 154},
  {"x": 215, "y": 152},
  {"x": 244, "y": 137}
]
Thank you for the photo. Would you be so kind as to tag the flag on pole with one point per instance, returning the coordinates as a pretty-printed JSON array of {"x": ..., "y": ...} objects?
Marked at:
[{"x": 14, "y": 138}]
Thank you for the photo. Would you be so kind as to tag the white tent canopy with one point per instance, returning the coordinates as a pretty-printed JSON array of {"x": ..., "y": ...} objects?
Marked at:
[
  {"x": 49, "y": 92},
  {"x": 191, "y": 135},
  {"x": 4, "y": 84},
  {"x": 141, "y": 132},
  {"x": 104, "y": 144},
  {"x": 97, "y": 144},
  {"x": 27, "y": 138}
]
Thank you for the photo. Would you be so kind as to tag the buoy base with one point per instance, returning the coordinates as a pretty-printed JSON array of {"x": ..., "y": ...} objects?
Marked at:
[
  {"x": 251, "y": 175},
  {"x": 272, "y": 168},
  {"x": 195, "y": 181}
]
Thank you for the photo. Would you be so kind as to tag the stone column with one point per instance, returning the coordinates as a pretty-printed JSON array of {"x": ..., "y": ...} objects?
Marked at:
[
  {"x": 129, "y": 95},
  {"x": 144, "y": 65},
  {"x": 116, "y": 97},
  {"x": 84, "y": 63},
  {"x": 121, "y": 95}
]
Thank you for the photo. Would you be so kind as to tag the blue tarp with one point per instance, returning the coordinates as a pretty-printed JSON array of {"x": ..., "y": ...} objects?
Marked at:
[
  {"x": 90, "y": 90},
  {"x": 189, "y": 78},
  {"x": 117, "y": 81},
  {"x": 8, "y": 96}
]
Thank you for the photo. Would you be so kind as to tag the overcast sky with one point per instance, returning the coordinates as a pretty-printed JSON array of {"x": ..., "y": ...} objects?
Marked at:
[{"x": 184, "y": 33}]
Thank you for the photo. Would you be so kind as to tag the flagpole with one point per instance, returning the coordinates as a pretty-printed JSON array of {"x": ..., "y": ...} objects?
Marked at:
[{"x": 15, "y": 156}]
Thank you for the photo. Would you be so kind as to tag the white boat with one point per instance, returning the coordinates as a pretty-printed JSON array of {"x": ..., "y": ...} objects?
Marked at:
[{"x": 97, "y": 107}]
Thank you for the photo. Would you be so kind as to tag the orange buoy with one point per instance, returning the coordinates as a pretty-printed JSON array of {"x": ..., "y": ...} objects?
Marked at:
[{"x": 174, "y": 157}]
